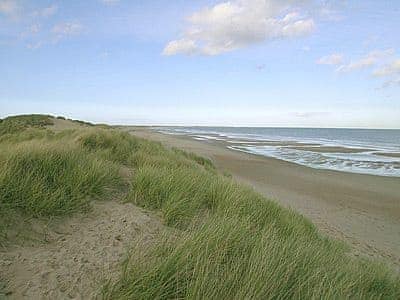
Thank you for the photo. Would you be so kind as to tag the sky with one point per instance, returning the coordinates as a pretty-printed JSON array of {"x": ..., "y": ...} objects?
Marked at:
[{"x": 285, "y": 63}]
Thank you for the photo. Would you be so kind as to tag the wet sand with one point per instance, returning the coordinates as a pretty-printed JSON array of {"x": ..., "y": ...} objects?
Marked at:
[
  {"x": 272, "y": 143},
  {"x": 363, "y": 210},
  {"x": 331, "y": 149},
  {"x": 388, "y": 154}
]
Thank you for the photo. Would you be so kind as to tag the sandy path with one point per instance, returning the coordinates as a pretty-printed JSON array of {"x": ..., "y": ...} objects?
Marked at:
[
  {"x": 82, "y": 252},
  {"x": 364, "y": 210}
]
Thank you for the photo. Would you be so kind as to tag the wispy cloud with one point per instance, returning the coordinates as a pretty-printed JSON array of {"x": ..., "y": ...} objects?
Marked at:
[
  {"x": 370, "y": 59},
  {"x": 391, "y": 82},
  {"x": 35, "y": 39},
  {"x": 9, "y": 7},
  {"x": 380, "y": 64},
  {"x": 391, "y": 73},
  {"x": 30, "y": 19},
  {"x": 34, "y": 45},
  {"x": 392, "y": 68},
  {"x": 31, "y": 30},
  {"x": 17, "y": 9},
  {"x": 46, "y": 11},
  {"x": 61, "y": 30},
  {"x": 332, "y": 59},
  {"x": 330, "y": 14},
  {"x": 104, "y": 54},
  {"x": 310, "y": 114},
  {"x": 236, "y": 24}
]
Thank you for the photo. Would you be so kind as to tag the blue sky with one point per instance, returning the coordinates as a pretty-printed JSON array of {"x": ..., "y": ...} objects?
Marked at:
[{"x": 242, "y": 62}]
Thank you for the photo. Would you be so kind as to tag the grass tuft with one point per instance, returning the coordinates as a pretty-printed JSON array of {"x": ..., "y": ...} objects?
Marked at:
[
  {"x": 112, "y": 145},
  {"x": 53, "y": 179},
  {"x": 16, "y": 124},
  {"x": 45, "y": 174}
]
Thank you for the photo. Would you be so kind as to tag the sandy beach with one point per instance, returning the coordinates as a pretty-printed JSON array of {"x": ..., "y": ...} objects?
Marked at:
[{"x": 363, "y": 210}]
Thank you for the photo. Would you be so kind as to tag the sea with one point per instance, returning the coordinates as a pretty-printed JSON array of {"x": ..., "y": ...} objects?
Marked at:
[{"x": 365, "y": 151}]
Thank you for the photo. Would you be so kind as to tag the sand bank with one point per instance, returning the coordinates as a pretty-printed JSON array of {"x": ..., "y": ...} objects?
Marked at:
[
  {"x": 388, "y": 154},
  {"x": 331, "y": 149}
]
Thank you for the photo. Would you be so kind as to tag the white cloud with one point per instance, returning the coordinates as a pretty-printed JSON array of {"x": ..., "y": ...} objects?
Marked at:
[
  {"x": 384, "y": 61},
  {"x": 393, "y": 68},
  {"x": 306, "y": 48},
  {"x": 31, "y": 28},
  {"x": 104, "y": 54},
  {"x": 29, "y": 36},
  {"x": 8, "y": 7},
  {"x": 391, "y": 82},
  {"x": 34, "y": 46},
  {"x": 333, "y": 59},
  {"x": 236, "y": 24},
  {"x": 30, "y": 31},
  {"x": 371, "y": 59},
  {"x": 46, "y": 12},
  {"x": 34, "y": 28},
  {"x": 68, "y": 28},
  {"x": 391, "y": 72},
  {"x": 14, "y": 8},
  {"x": 330, "y": 14},
  {"x": 56, "y": 34},
  {"x": 183, "y": 46}
]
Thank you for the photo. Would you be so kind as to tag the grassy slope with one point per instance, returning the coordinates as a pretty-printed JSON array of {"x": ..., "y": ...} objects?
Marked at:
[
  {"x": 45, "y": 174},
  {"x": 230, "y": 243},
  {"x": 234, "y": 243}
]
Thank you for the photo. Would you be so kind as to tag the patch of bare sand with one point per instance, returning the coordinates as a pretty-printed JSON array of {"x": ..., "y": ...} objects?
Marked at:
[{"x": 80, "y": 254}]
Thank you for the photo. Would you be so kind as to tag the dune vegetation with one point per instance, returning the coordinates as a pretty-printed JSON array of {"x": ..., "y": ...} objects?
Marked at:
[
  {"x": 44, "y": 174},
  {"x": 226, "y": 242}
]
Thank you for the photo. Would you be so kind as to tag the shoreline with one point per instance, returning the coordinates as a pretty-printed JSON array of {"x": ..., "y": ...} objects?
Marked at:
[
  {"x": 363, "y": 210},
  {"x": 358, "y": 157}
]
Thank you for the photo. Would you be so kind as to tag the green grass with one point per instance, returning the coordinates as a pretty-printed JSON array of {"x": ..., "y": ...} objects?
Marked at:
[
  {"x": 112, "y": 145},
  {"x": 232, "y": 243},
  {"x": 46, "y": 174},
  {"x": 226, "y": 258},
  {"x": 205, "y": 162},
  {"x": 53, "y": 179},
  {"x": 16, "y": 124},
  {"x": 228, "y": 241}
]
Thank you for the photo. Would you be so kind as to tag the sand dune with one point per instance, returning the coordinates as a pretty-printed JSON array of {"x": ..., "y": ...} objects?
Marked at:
[
  {"x": 364, "y": 210},
  {"x": 80, "y": 254}
]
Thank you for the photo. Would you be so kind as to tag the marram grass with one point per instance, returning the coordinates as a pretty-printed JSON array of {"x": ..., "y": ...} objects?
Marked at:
[
  {"x": 234, "y": 244},
  {"x": 43, "y": 179},
  {"x": 227, "y": 258},
  {"x": 17, "y": 124},
  {"x": 45, "y": 174},
  {"x": 228, "y": 241}
]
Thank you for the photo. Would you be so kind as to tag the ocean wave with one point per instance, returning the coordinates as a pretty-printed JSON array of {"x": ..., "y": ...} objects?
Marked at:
[{"x": 375, "y": 151}]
